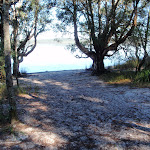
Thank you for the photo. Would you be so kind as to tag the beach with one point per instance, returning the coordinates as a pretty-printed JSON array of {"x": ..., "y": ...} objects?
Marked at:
[{"x": 73, "y": 110}]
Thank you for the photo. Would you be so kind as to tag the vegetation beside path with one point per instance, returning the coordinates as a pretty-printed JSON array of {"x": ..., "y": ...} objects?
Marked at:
[{"x": 118, "y": 77}]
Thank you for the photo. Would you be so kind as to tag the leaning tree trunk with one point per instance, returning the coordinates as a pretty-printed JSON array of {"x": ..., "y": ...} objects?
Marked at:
[{"x": 7, "y": 52}]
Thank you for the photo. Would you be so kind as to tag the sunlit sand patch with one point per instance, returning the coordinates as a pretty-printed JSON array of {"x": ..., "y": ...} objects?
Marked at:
[
  {"x": 26, "y": 96},
  {"x": 41, "y": 96},
  {"x": 32, "y": 81},
  {"x": 142, "y": 128},
  {"x": 39, "y": 136},
  {"x": 125, "y": 133},
  {"x": 92, "y": 99},
  {"x": 133, "y": 134},
  {"x": 38, "y": 82},
  {"x": 35, "y": 95},
  {"x": 39, "y": 106},
  {"x": 65, "y": 86}
]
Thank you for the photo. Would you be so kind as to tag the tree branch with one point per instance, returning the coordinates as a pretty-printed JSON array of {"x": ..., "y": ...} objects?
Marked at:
[
  {"x": 79, "y": 45},
  {"x": 77, "y": 56}
]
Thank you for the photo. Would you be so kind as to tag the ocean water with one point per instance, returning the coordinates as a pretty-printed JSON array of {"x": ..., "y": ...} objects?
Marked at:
[
  {"x": 50, "y": 57},
  {"x": 52, "y": 67},
  {"x": 54, "y": 57}
]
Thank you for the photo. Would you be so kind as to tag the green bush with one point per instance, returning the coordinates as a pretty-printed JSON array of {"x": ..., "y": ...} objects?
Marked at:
[
  {"x": 117, "y": 76},
  {"x": 2, "y": 69},
  {"x": 142, "y": 77},
  {"x": 3, "y": 91},
  {"x": 128, "y": 65},
  {"x": 3, "y": 95}
]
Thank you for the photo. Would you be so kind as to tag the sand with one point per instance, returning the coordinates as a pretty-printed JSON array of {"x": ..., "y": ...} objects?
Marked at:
[{"x": 72, "y": 110}]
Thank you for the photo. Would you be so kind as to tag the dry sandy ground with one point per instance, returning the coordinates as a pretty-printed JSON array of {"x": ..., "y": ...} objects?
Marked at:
[{"x": 72, "y": 110}]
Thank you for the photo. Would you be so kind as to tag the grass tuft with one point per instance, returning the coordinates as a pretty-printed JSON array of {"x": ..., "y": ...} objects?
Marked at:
[
  {"x": 143, "y": 77},
  {"x": 140, "y": 79},
  {"x": 118, "y": 77}
]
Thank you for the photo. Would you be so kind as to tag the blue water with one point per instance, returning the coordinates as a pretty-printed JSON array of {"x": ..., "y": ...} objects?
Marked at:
[
  {"x": 52, "y": 67},
  {"x": 48, "y": 57}
]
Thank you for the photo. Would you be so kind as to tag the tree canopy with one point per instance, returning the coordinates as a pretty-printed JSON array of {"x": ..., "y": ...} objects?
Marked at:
[
  {"x": 104, "y": 24},
  {"x": 28, "y": 20}
]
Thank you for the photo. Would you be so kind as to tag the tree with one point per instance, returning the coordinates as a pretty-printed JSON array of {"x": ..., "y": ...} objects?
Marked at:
[
  {"x": 7, "y": 53},
  {"x": 106, "y": 24},
  {"x": 28, "y": 21},
  {"x": 137, "y": 45},
  {"x": 2, "y": 60},
  {"x": 144, "y": 35}
]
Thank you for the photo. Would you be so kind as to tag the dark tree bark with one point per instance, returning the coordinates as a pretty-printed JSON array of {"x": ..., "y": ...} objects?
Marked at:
[
  {"x": 1, "y": 32},
  {"x": 14, "y": 46},
  {"x": 7, "y": 53}
]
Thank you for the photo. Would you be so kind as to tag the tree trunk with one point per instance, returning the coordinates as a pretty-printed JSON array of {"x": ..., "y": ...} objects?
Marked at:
[
  {"x": 7, "y": 52},
  {"x": 141, "y": 64},
  {"x": 2, "y": 35},
  {"x": 16, "y": 72},
  {"x": 98, "y": 64},
  {"x": 15, "y": 67},
  {"x": 15, "y": 57}
]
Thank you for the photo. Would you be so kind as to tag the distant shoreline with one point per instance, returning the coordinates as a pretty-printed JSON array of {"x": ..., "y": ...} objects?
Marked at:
[{"x": 61, "y": 71}]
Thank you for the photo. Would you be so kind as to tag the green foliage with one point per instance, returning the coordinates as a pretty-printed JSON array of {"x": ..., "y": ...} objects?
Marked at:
[
  {"x": 142, "y": 77},
  {"x": 3, "y": 95},
  {"x": 3, "y": 92},
  {"x": 128, "y": 65},
  {"x": 118, "y": 77},
  {"x": 19, "y": 90},
  {"x": 2, "y": 69},
  {"x": 26, "y": 89}
]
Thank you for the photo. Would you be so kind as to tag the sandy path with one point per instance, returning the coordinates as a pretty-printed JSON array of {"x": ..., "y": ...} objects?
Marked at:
[{"x": 73, "y": 110}]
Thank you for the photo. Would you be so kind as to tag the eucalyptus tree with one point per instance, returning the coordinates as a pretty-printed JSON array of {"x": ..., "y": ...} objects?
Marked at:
[
  {"x": 143, "y": 46},
  {"x": 105, "y": 24},
  {"x": 5, "y": 4},
  {"x": 137, "y": 45},
  {"x": 28, "y": 21}
]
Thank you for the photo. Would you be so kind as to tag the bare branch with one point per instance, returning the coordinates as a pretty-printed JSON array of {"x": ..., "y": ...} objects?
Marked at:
[
  {"x": 79, "y": 45},
  {"x": 77, "y": 56}
]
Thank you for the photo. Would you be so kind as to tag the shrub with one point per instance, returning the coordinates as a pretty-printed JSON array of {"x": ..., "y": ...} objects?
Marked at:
[
  {"x": 3, "y": 91},
  {"x": 2, "y": 69},
  {"x": 142, "y": 77},
  {"x": 3, "y": 104},
  {"x": 118, "y": 77},
  {"x": 128, "y": 65}
]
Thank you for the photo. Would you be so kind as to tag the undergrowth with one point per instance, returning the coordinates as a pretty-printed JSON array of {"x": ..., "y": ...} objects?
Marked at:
[
  {"x": 143, "y": 77},
  {"x": 127, "y": 78},
  {"x": 4, "y": 104},
  {"x": 3, "y": 96},
  {"x": 118, "y": 77}
]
